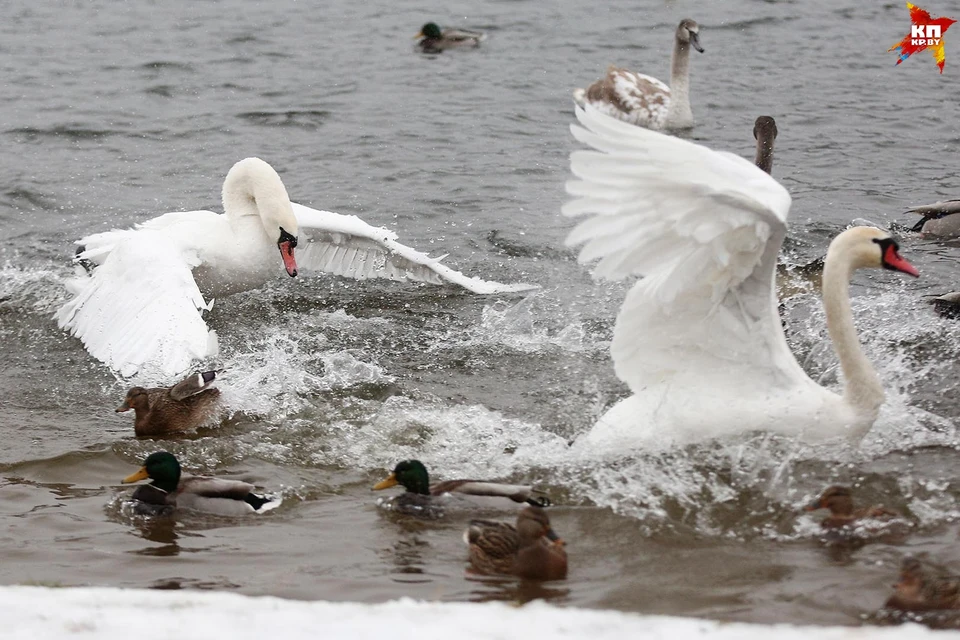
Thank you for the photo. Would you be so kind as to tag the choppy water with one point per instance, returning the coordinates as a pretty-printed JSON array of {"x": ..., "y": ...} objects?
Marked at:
[{"x": 114, "y": 113}]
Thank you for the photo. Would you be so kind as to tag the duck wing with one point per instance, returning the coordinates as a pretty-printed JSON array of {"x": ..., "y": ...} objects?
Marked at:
[
  {"x": 703, "y": 229},
  {"x": 349, "y": 247},
  {"x": 515, "y": 492},
  {"x": 496, "y": 540},
  {"x": 140, "y": 310},
  {"x": 937, "y": 209},
  {"x": 192, "y": 385}
]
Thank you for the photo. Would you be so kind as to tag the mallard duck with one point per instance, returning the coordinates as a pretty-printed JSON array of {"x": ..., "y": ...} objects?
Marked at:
[
  {"x": 435, "y": 40},
  {"x": 842, "y": 513},
  {"x": 947, "y": 305},
  {"x": 182, "y": 407},
  {"x": 201, "y": 493},
  {"x": 418, "y": 497},
  {"x": 531, "y": 550},
  {"x": 917, "y": 590},
  {"x": 643, "y": 100},
  {"x": 939, "y": 218}
]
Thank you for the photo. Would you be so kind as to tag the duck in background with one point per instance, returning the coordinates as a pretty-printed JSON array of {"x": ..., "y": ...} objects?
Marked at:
[
  {"x": 938, "y": 219},
  {"x": 643, "y": 100},
  {"x": 529, "y": 550},
  {"x": 182, "y": 407},
  {"x": 200, "y": 493},
  {"x": 420, "y": 496},
  {"x": 433, "y": 39}
]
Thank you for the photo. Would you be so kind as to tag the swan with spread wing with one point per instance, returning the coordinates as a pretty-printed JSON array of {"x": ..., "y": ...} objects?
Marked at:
[
  {"x": 140, "y": 308},
  {"x": 698, "y": 339}
]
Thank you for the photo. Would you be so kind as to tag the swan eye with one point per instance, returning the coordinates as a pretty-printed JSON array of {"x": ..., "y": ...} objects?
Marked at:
[{"x": 286, "y": 236}]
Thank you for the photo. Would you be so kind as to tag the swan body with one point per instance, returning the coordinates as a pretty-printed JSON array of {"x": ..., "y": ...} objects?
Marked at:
[
  {"x": 698, "y": 340},
  {"x": 140, "y": 310},
  {"x": 643, "y": 100}
]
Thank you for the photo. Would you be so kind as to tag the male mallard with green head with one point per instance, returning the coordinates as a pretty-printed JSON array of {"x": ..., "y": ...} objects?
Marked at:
[
  {"x": 531, "y": 550},
  {"x": 182, "y": 407},
  {"x": 201, "y": 493},
  {"x": 435, "y": 40},
  {"x": 418, "y": 497}
]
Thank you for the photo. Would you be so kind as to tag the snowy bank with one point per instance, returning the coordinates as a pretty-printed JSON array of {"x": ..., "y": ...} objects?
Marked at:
[{"x": 30, "y": 613}]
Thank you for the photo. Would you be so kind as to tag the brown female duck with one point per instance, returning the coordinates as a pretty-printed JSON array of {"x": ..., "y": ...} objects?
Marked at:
[
  {"x": 163, "y": 410},
  {"x": 842, "y": 512},
  {"x": 919, "y": 590},
  {"x": 531, "y": 550}
]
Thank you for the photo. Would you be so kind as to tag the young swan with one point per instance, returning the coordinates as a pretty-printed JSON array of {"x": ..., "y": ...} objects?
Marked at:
[
  {"x": 643, "y": 100},
  {"x": 182, "y": 407},
  {"x": 531, "y": 550},
  {"x": 418, "y": 497},
  {"x": 765, "y": 132}
]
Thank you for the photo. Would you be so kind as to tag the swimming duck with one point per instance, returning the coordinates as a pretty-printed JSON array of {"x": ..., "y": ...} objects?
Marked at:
[
  {"x": 531, "y": 550},
  {"x": 435, "y": 40},
  {"x": 917, "y": 590},
  {"x": 643, "y": 100},
  {"x": 842, "y": 513},
  {"x": 938, "y": 219},
  {"x": 947, "y": 305},
  {"x": 418, "y": 497},
  {"x": 182, "y": 407},
  {"x": 201, "y": 493}
]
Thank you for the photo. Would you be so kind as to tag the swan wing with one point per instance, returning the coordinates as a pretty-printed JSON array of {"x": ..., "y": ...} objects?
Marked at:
[
  {"x": 703, "y": 229},
  {"x": 140, "y": 310},
  {"x": 347, "y": 246}
]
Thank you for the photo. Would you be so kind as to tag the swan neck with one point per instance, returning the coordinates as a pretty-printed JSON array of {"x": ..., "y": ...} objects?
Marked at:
[
  {"x": 862, "y": 389},
  {"x": 679, "y": 110},
  {"x": 764, "y": 158}
]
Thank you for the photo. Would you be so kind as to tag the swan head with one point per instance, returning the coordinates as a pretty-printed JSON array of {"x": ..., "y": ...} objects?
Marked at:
[
  {"x": 253, "y": 188},
  {"x": 688, "y": 32},
  {"x": 869, "y": 247}
]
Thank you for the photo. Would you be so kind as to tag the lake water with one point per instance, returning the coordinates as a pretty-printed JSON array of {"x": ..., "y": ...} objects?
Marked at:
[{"x": 114, "y": 113}]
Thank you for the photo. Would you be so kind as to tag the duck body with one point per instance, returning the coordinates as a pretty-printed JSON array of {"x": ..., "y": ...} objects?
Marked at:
[
  {"x": 643, "y": 100},
  {"x": 939, "y": 219},
  {"x": 182, "y": 407},
  {"x": 839, "y": 501},
  {"x": 530, "y": 550},
  {"x": 423, "y": 499},
  {"x": 139, "y": 301},
  {"x": 199, "y": 493},
  {"x": 433, "y": 39},
  {"x": 698, "y": 339}
]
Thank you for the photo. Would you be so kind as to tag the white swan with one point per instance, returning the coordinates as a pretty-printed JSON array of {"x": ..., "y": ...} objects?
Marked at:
[
  {"x": 698, "y": 339},
  {"x": 140, "y": 310},
  {"x": 643, "y": 100}
]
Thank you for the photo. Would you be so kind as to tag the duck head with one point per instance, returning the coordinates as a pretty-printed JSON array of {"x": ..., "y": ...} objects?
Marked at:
[
  {"x": 410, "y": 474},
  {"x": 137, "y": 399},
  {"x": 161, "y": 467},
  {"x": 430, "y": 30},
  {"x": 837, "y": 499},
  {"x": 533, "y": 524},
  {"x": 688, "y": 32}
]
